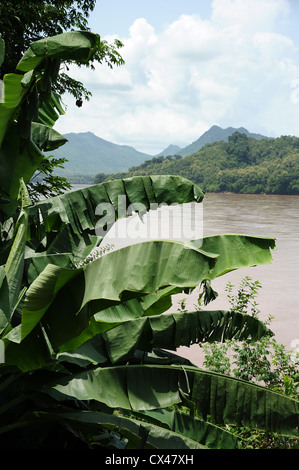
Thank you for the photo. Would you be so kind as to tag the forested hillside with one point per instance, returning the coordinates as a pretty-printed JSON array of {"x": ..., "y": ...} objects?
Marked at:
[{"x": 241, "y": 165}]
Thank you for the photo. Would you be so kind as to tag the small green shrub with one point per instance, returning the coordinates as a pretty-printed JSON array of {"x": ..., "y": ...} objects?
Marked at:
[{"x": 263, "y": 362}]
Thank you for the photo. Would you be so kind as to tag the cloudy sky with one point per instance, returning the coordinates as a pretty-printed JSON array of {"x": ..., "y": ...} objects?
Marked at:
[{"x": 189, "y": 65}]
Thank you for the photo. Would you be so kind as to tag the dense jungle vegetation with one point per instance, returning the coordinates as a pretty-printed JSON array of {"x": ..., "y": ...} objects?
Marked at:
[{"x": 241, "y": 165}]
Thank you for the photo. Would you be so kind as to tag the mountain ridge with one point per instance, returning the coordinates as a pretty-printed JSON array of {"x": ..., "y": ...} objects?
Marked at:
[
  {"x": 88, "y": 154},
  {"x": 100, "y": 155},
  {"x": 215, "y": 134},
  {"x": 170, "y": 150}
]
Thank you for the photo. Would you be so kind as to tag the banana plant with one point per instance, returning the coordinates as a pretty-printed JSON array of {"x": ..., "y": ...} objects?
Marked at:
[
  {"x": 101, "y": 338},
  {"x": 87, "y": 349}
]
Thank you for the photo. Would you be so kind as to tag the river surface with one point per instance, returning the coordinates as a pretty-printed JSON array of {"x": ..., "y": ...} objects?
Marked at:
[
  {"x": 262, "y": 215},
  {"x": 258, "y": 215}
]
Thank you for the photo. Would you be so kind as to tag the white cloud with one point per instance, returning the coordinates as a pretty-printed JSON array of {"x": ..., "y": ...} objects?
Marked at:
[
  {"x": 191, "y": 38},
  {"x": 273, "y": 45},
  {"x": 234, "y": 69},
  {"x": 250, "y": 15}
]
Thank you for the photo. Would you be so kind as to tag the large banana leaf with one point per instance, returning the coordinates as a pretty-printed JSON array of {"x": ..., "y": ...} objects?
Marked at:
[
  {"x": 79, "y": 294},
  {"x": 219, "y": 399},
  {"x": 74, "y": 45},
  {"x": 14, "y": 93},
  {"x": 146, "y": 267},
  {"x": 205, "y": 433},
  {"x": 70, "y": 222},
  {"x": 131, "y": 339},
  {"x": 170, "y": 331},
  {"x": 67, "y": 225},
  {"x": 139, "y": 434},
  {"x": 78, "y": 208},
  {"x": 234, "y": 250},
  {"x": 45, "y": 137},
  {"x": 15, "y": 163}
]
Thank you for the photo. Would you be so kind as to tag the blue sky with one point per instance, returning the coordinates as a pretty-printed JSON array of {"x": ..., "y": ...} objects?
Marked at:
[
  {"x": 189, "y": 65},
  {"x": 116, "y": 16}
]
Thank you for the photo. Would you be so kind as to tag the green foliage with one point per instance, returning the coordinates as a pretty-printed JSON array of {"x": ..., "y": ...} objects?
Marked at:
[
  {"x": 64, "y": 364},
  {"x": 245, "y": 298},
  {"x": 44, "y": 183},
  {"x": 241, "y": 165},
  {"x": 30, "y": 110},
  {"x": 23, "y": 22},
  {"x": 262, "y": 362},
  {"x": 216, "y": 358},
  {"x": 238, "y": 150}
]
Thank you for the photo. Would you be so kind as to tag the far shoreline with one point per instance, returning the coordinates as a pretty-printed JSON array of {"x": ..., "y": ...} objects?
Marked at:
[{"x": 226, "y": 193}]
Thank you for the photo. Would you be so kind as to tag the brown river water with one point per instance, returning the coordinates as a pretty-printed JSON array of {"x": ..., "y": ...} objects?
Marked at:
[
  {"x": 261, "y": 215},
  {"x": 274, "y": 216}
]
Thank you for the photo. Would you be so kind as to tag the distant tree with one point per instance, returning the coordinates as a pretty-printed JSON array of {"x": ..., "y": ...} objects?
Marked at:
[
  {"x": 100, "y": 177},
  {"x": 238, "y": 149},
  {"x": 23, "y": 22}
]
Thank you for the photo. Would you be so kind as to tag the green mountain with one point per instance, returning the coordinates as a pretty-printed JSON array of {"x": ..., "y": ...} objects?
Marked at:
[
  {"x": 88, "y": 154},
  {"x": 240, "y": 165},
  {"x": 170, "y": 150},
  {"x": 215, "y": 134}
]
